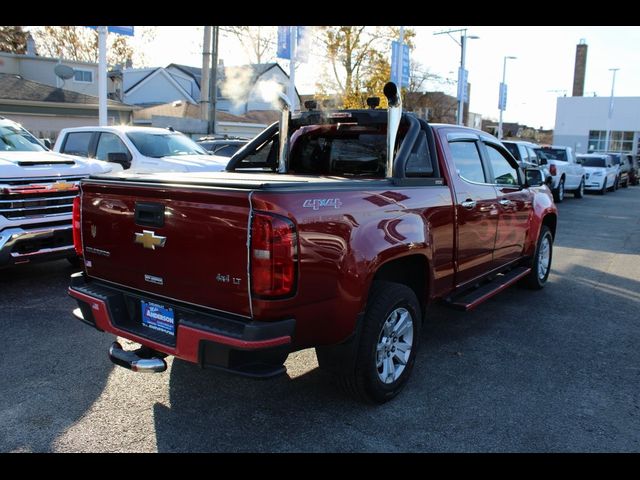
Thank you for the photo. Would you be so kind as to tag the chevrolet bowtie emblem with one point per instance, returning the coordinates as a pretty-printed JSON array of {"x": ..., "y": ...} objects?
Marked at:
[
  {"x": 61, "y": 186},
  {"x": 148, "y": 239}
]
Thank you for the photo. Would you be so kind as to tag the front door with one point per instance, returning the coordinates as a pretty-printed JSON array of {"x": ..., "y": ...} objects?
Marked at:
[
  {"x": 514, "y": 206},
  {"x": 477, "y": 209}
]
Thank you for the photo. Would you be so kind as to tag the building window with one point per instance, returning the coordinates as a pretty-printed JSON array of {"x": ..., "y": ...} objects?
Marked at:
[
  {"x": 618, "y": 141},
  {"x": 84, "y": 76}
]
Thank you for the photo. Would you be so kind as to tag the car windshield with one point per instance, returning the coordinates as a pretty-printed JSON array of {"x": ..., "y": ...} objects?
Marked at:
[
  {"x": 158, "y": 145},
  {"x": 592, "y": 162},
  {"x": 17, "y": 139},
  {"x": 554, "y": 153}
]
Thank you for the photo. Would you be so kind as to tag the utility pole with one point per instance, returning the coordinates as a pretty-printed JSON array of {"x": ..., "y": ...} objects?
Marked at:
[
  {"x": 613, "y": 84},
  {"x": 502, "y": 101},
  {"x": 462, "y": 77},
  {"x": 213, "y": 82},
  {"x": 206, "y": 69}
]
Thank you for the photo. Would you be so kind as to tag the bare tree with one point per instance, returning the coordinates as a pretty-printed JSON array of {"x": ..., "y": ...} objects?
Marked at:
[
  {"x": 257, "y": 41},
  {"x": 358, "y": 61},
  {"x": 80, "y": 44},
  {"x": 13, "y": 40}
]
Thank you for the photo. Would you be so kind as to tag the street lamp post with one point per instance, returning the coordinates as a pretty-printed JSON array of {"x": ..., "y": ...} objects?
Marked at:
[
  {"x": 462, "y": 78},
  {"x": 502, "y": 101},
  {"x": 613, "y": 84}
]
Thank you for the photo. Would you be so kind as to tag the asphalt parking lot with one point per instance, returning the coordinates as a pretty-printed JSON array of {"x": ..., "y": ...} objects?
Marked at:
[{"x": 551, "y": 371}]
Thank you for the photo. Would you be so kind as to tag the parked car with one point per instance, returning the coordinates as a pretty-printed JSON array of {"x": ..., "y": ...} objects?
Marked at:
[
  {"x": 600, "y": 173},
  {"x": 634, "y": 171},
  {"x": 567, "y": 175},
  {"x": 140, "y": 149},
  {"x": 37, "y": 188},
  {"x": 336, "y": 243},
  {"x": 524, "y": 152},
  {"x": 622, "y": 179},
  {"x": 222, "y": 146}
]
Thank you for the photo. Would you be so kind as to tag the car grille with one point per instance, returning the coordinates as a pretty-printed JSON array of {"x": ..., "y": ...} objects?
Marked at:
[{"x": 36, "y": 198}]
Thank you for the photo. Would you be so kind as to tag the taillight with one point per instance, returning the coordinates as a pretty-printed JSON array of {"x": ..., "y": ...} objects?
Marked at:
[
  {"x": 75, "y": 219},
  {"x": 552, "y": 170},
  {"x": 274, "y": 255}
]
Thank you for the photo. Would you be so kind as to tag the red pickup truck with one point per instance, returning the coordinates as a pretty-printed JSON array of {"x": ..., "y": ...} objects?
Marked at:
[{"x": 336, "y": 238}]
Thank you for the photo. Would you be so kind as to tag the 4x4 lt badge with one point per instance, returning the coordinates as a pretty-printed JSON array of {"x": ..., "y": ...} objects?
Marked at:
[{"x": 149, "y": 239}]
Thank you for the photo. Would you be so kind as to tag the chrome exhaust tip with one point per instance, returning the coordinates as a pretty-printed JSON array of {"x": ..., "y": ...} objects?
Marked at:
[{"x": 133, "y": 361}]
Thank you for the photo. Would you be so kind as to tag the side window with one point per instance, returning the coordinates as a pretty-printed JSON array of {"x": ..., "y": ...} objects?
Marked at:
[
  {"x": 77, "y": 143},
  {"x": 419, "y": 162},
  {"x": 503, "y": 172},
  {"x": 265, "y": 158},
  {"x": 109, "y": 143},
  {"x": 524, "y": 155},
  {"x": 467, "y": 161},
  {"x": 227, "y": 150},
  {"x": 533, "y": 158}
]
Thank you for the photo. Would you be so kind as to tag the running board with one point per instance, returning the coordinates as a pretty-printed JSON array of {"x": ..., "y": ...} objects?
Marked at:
[{"x": 471, "y": 299}]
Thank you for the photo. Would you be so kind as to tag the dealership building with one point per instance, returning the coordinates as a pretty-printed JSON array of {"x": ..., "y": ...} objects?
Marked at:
[{"x": 582, "y": 122}]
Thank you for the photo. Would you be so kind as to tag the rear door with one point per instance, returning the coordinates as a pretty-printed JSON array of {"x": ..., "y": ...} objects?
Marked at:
[
  {"x": 182, "y": 243},
  {"x": 476, "y": 206}
]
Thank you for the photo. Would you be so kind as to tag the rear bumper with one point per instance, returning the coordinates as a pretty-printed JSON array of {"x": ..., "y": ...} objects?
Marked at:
[
  {"x": 18, "y": 245},
  {"x": 209, "y": 339}
]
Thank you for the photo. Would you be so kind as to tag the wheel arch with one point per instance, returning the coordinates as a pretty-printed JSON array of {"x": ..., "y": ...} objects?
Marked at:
[
  {"x": 411, "y": 270},
  {"x": 551, "y": 221}
]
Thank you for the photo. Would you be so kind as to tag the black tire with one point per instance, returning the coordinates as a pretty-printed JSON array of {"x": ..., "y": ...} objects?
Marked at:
[
  {"x": 558, "y": 193},
  {"x": 603, "y": 190},
  {"x": 579, "y": 193},
  {"x": 616, "y": 185},
  {"x": 626, "y": 183},
  {"x": 537, "y": 278},
  {"x": 364, "y": 381}
]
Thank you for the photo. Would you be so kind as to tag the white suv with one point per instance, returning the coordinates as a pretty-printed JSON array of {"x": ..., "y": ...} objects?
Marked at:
[
  {"x": 140, "y": 149},
  {"x": 566, "y": 173},
  {"x": 601, "y": 173},
  {"x": 37, "y": 188}
]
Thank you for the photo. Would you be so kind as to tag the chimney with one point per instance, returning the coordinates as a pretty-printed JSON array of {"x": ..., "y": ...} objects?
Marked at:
[
  {"x": 580, "y": 69},
  {"x": 31, "y": 46}
]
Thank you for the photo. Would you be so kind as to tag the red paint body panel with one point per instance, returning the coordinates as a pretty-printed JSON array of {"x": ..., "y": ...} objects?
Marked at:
[{"x": 206, "y": 236}]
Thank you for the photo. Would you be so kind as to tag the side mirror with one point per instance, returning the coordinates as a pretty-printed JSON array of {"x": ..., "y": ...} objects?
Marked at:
[
  {"x": 119, "y": 157},
  {"x": 543, "y": 161},
  {"x": 533, "y": 177},
  {"x": 47, "y": 143}
]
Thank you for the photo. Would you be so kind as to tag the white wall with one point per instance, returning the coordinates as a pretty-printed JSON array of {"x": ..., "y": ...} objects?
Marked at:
[
  {"x": 131, "y": 76},
  {"x": 576, "y": 116},
  {"x": 41, "y": 70},
  {"x": 157, "y": 89}
]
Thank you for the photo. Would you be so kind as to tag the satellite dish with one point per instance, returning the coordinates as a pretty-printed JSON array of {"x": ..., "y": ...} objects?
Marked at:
[{"x": 63, "y": 71}]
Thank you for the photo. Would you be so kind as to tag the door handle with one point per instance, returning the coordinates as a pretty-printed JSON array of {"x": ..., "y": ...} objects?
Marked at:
[
  {"x": 468, "y": 204},
  {"x": 505, "y": 202}
]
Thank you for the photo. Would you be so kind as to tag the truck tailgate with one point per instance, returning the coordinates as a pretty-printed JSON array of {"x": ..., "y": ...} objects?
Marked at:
[{"x": 180, "y": 243}]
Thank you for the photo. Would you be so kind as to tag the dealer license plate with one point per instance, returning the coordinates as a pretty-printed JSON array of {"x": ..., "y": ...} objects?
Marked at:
[{"x": 158, "y": 317}]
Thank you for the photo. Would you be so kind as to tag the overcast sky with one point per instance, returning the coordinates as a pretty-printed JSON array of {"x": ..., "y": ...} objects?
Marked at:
[{"x": 544, "y": 65}]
